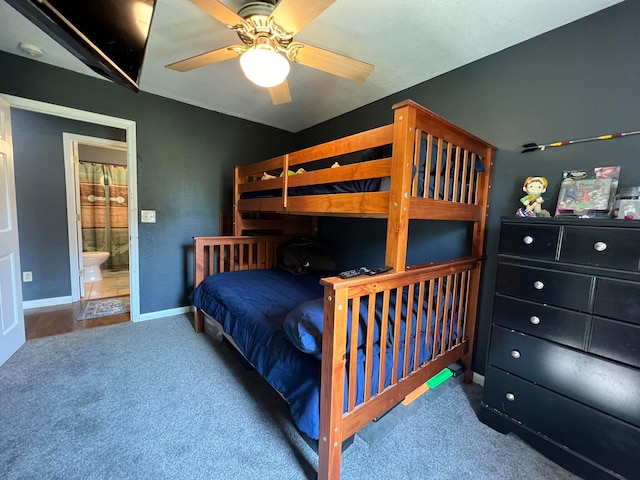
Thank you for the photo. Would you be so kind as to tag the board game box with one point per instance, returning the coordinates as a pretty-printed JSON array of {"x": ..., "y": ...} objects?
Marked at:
[{"x": 588, "y": 193}]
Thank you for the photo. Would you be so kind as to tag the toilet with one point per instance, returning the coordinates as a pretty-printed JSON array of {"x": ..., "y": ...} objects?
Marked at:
[{"x": 92, "y": 262}]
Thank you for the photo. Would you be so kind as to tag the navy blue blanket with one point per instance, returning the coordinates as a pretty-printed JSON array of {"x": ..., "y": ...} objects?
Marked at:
[
  {"x": 253, "y": 306},
  {"x": 349, "y": 186}
]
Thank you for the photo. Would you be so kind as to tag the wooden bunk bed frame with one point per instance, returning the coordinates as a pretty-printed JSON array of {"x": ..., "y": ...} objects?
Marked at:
[{"x": 460, "y": 194}]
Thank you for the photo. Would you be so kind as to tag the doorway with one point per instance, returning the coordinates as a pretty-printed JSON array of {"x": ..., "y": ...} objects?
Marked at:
[
  {"x": 97, "y": 215},
  {"x": 129, "y": 128}
]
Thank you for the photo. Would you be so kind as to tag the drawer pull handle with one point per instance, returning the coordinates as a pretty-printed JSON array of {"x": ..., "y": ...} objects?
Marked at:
[
  {"x": 510, "y": 396},
  {"x": 515, "y": 353},
  {"x": 528, "y": 240},
  {"x": 534, "y": 320},
  {"x": 538, "y": 285},
  {"x": 599, "y": 246}
]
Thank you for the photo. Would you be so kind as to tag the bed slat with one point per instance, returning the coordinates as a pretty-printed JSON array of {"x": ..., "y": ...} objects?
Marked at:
[
  {"x": 418, "y": 339},
  {"x": 353, "y": 353},
  {"x": 384, "y": 328},
  {"x": 369, "y": 357}
]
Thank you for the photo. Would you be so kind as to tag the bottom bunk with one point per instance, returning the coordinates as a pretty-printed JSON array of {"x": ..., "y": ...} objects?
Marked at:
[{"x": 340, "y": 352}]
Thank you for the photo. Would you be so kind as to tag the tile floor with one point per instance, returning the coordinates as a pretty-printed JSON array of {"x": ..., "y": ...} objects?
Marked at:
[{"x": 113, "y": 284}]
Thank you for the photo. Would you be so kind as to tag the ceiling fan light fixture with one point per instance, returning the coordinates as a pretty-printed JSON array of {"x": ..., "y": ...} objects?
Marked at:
[{"x": 264, "y": 66}]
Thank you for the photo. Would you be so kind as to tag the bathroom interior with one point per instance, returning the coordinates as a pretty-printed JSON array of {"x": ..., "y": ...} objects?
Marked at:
[{"x": 102, "y": 186}]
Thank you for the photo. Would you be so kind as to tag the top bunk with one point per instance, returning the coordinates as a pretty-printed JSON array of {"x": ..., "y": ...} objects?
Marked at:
[{"x": 419, "y": 167}]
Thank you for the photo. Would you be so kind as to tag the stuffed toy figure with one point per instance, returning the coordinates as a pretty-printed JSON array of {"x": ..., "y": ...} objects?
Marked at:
[{"x": 534, "y": 187}]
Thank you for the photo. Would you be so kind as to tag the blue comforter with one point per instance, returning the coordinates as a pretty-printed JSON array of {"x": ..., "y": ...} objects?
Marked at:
[{"x": 252, "y": 306}]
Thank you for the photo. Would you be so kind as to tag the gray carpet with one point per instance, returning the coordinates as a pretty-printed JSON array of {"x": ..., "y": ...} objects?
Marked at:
[{"x": 153, "y": 400}]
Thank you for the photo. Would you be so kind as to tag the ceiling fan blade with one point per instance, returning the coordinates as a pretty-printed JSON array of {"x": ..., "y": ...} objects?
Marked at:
[
  {"x": 219, "y": 11},
  {"x": 204, "y": 59},
  {"x": 294, "y": 15},
  {"x": 331, "y": 62},
  {"x": 280, "y": 93}
]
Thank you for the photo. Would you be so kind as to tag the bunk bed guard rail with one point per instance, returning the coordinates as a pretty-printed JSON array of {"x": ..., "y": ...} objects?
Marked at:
[{"x": 417, "y": 323}]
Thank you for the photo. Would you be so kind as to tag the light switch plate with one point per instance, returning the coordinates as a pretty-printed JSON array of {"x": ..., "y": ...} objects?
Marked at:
[{"x": 148, "y": 216}]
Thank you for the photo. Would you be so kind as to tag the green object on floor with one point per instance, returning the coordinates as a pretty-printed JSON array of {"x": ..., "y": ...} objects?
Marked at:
[{"x": 439, "y": 378}]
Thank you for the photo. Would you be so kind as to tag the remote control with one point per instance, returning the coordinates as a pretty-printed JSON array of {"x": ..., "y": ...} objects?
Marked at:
[
  {"x": 353, "y": 272},
  {"x": 376, "y": 271}
]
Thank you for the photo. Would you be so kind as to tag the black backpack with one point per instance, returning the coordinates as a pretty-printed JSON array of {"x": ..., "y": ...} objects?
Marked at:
[{"x": 305, "y": 254}]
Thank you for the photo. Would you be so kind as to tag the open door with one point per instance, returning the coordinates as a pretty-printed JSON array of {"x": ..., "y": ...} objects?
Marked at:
[{"x": 12, "y": 333}]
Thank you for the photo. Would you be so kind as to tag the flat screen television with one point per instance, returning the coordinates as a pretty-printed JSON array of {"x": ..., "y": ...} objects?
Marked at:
[{"x": 109, "y": 36}]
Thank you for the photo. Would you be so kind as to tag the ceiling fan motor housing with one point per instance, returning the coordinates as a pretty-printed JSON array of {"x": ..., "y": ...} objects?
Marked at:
[
  {"x": 259, "y": 25},
  {"x": 256, "y": 8}
]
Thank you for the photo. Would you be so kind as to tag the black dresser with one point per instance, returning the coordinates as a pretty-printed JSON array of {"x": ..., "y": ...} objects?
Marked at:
[{"x": 564, "y": 361}]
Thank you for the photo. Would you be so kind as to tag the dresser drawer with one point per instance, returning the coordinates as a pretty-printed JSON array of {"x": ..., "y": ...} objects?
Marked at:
[
  {"x": 603, "y": 439},
  {"x": 556, "y": 324},
  {"x": 616, "y": 340},
  {"x": 536, "y": 241},
  {"x": 607, "y": 386},
  {"x": 603, "y": 247},
  {"x": 617, "y": 299},
  {"x": 562, "y": 289}
]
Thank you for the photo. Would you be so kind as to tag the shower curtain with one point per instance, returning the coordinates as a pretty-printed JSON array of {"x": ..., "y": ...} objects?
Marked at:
[{"x": 104, "y": 212}]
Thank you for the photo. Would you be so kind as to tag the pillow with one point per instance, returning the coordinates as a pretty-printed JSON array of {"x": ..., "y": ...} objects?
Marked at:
[{"x": 304, "y": 325}]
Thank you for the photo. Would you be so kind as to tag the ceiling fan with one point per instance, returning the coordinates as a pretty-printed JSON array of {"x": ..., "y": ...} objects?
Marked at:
[{"x": 266, "y": 31}]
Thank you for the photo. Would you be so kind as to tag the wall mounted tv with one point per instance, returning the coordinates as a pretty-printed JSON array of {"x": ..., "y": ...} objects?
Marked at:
[{"x": 109, "y": 36}]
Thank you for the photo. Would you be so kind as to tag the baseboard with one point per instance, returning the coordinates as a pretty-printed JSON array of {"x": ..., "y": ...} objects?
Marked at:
[
  {"x": 46, "y": 302},
  {"x": 164, "y": 313},
  {"x": 479, "y": 379}
]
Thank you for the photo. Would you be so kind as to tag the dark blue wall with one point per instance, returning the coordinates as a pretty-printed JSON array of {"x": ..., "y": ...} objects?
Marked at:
[
  {"x": 361, "y": 242},
  {"x": 41, "y": 198},
  {"x": 578, "y": 81},
  {"x": 185, "y": 167}
]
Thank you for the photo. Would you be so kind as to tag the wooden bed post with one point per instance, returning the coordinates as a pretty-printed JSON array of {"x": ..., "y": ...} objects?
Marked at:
[
  {"x": 477, "y": 250},
  {"x": 237, "y": 216},
  {"x": 334, "y": 341},
  {"x": 404, "y": 135},
  {"x": 198, "y": 276}
]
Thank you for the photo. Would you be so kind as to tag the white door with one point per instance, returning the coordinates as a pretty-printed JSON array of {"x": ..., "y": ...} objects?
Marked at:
[{"x": 11, "y": 316}]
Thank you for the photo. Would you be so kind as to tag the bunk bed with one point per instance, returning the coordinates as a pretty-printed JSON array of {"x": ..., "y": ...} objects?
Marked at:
[{"x": 411, "y": 322}]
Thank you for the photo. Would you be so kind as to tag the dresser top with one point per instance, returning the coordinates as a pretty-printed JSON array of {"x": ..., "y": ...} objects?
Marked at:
[{"x": 573, "y": 221}]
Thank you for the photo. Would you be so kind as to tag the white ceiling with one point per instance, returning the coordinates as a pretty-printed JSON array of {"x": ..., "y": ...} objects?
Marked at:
[{"x": 408, "y": 41}]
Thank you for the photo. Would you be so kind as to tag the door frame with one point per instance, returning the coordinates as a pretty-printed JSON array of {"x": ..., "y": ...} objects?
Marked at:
[
  {"x": 130, "y": 127},
  {"x": 73, "y": 202}
]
